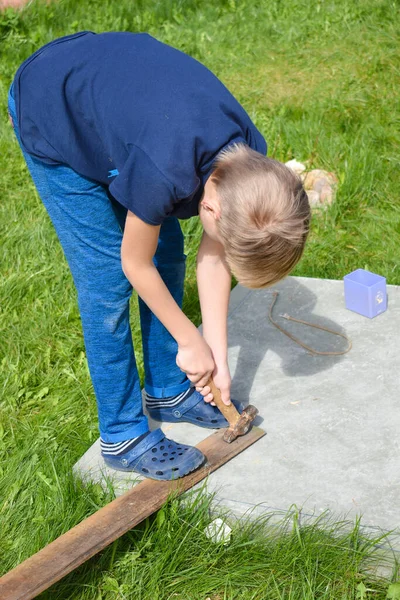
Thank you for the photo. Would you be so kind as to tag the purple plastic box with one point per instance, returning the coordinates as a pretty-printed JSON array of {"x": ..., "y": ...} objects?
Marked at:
[{"x": 365, "y": 293}]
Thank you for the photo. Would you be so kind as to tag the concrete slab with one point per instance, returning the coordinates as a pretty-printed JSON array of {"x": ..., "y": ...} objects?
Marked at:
[{"x": 332, "y": 422}]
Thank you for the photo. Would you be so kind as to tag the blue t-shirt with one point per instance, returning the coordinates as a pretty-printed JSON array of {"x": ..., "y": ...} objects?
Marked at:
[{"x": 132, "y": 113}]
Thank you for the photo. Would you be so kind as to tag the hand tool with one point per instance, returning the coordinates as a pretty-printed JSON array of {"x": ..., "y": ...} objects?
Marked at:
[{"x": 239, "y": 424}]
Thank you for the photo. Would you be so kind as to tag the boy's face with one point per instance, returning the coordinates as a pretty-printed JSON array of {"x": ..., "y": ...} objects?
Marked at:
[{"x": 210, "y": 210}]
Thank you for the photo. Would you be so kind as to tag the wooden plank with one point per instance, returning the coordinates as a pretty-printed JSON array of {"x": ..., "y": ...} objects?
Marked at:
[{"x": 83, "y": 541}]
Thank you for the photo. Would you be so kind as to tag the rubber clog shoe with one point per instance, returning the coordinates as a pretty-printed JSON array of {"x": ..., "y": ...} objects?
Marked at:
[
  {"x": 158, "y": 457},
  {"x": 193, "y": 410}
]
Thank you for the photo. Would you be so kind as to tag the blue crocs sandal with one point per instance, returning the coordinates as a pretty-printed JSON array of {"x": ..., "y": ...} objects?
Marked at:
[
  {"x": 193, "y": 410},
  {"x": 158, "y": 457}
]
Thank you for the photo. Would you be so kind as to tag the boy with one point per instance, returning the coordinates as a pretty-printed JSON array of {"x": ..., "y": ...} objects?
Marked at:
[{"x": 124, "y": 135}]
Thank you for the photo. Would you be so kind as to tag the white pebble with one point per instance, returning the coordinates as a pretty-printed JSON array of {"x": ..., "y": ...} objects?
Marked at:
[
  {"x": 296, "y": 166},
  {"x": 218, "y": 531}
]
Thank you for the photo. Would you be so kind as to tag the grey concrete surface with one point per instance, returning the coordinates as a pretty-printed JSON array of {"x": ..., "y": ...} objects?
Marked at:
[{"x": 332, "y": 422}]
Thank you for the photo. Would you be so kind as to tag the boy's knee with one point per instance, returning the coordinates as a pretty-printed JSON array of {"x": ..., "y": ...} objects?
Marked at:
[{"x": 105, "y": 311}]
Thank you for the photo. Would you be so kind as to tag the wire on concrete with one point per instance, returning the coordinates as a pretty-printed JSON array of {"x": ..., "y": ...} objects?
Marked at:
[{"x": 299, "y": 342}]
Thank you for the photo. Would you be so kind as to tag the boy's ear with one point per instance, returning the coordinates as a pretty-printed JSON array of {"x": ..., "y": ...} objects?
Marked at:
[
  {"x": 210, "y": 201},
  {"x": 212, "y": 206}
]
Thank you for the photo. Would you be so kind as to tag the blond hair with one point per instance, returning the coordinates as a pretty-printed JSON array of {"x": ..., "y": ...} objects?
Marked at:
[{"x": 265, "y": 215}]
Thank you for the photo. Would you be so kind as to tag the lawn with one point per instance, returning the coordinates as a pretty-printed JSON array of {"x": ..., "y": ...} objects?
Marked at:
[{"x": 320, "y": 80}]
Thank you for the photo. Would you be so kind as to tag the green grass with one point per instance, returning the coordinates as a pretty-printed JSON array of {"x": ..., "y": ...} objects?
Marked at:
[
  {"x": 320, "y": 81},
  {"x": 169, "y": 556}
]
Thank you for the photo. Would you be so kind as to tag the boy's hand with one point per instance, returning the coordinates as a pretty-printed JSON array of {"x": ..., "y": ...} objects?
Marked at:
[
  {"x": 222, "y": 380},
  {"x": 196, "y": 360}
]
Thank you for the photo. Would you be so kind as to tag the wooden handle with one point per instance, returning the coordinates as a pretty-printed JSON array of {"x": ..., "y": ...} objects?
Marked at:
[{"x": 230, "y": 413}]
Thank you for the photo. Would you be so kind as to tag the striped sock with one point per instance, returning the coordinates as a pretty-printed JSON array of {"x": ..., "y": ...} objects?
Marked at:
[
  {"x": 153, "y": 403},
  {"x": 117, "y": 448}
]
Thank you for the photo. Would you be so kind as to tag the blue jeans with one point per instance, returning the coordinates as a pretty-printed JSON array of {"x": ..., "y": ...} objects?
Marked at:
[{"x": 89, "y": 223}]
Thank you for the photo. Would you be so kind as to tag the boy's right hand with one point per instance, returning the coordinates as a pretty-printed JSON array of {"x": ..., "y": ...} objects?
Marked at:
[{"x": 196, "y": 360}]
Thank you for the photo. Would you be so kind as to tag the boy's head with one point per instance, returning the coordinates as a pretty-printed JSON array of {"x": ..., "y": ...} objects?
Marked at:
[{"x": 258, "y": 209}]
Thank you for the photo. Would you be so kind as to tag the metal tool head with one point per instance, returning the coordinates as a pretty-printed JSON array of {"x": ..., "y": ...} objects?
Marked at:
[{"x": 242, "y": 425}]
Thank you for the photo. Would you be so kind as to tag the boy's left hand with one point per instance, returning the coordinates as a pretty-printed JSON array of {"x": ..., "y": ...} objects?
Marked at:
[{"x": 222, "y": 380}]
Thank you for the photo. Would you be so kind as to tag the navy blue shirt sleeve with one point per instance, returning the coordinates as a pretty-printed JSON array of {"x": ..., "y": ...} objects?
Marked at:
[{"x": 143, "y": 189}]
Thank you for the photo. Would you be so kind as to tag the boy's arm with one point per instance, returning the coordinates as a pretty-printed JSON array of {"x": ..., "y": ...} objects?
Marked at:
[
  {"x": 214, "y": 285},
  {"x": 139, "y": 245}
]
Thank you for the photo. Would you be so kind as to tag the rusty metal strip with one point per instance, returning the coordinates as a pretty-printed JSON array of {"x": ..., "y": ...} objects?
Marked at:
[{"x": 92, "y": 535}]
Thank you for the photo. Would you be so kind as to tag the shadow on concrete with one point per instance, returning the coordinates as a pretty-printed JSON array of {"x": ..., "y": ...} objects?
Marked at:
[{"x": 254, "y": 335}]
